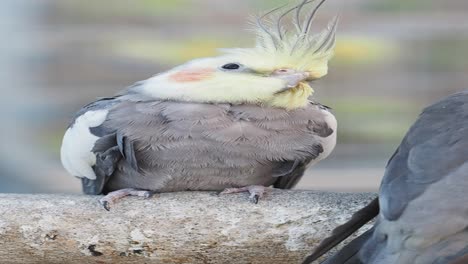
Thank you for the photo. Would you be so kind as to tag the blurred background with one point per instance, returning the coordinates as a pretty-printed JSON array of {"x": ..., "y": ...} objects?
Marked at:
[{"x": 393, "y": 57}]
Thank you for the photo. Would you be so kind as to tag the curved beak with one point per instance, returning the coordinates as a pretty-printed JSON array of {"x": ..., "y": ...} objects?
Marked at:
[{"x": 291, "y": 77}]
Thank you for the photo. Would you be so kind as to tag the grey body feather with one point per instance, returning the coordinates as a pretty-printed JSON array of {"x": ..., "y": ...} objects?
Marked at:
[
  {"x": 166, "y": 146},
  {"x": 423, "y": 198},
  {"x": 435, "y": 146}
]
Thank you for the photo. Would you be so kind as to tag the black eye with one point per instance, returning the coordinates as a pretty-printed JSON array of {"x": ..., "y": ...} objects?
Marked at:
[{"x": 231, "y": 66}]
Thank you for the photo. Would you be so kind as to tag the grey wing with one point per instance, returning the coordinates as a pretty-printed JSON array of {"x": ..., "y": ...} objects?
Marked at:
[
  {"x": 290, "y": 172},
  {"x": 112, "y": 147},
  {"x": 424, "y": 186},
  {"x": 109, "y": 150},
  {"x": 434, "y": 146},
  {"x": 91, "y": 149}
]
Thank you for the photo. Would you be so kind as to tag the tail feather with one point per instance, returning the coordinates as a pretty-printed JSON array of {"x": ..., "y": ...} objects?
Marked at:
[{"x": 340, "y": 233}]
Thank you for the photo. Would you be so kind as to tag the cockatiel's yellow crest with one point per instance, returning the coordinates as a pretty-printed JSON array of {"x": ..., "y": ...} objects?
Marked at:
[
  {"x": 276, "y": 47},
  {"x": 275, "y": 72}
]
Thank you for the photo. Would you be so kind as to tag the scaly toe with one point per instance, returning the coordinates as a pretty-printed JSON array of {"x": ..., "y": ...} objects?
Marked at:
[
  {"x": 227, "y": 191},
  {"x": 234, "y": 190},
  {"x": 256, "y": 192},
  {"x": 114, "y": 196}
]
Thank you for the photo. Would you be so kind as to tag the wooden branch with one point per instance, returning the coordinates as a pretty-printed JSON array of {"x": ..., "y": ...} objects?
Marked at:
[{"x": 190, "y": 227}]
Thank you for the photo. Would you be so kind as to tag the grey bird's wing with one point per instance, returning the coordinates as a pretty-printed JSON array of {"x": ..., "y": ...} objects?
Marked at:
[
  {"x": 77, "y": 152},
  {"x": 112, "y": 147},
  {"x": 433, "y": 147},
  {"x": 109, "y": 150},
  {"x": 91, "y": 150},
  {"x": 423, "y": 204},
  {"x": 290, "y": 172}
]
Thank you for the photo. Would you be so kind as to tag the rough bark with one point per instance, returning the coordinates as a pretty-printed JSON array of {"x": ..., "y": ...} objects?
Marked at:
[{"x": 191, "y": 227}]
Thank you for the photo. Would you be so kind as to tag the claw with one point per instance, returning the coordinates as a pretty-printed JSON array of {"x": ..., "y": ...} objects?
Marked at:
[{"x": 105, "y": 204}]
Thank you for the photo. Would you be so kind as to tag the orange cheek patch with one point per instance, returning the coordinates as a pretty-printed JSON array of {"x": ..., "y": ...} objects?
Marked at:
[{"x": 192, "y": 75}]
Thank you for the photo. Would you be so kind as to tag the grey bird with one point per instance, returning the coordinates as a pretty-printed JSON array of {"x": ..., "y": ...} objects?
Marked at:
[
  {"x": 423, "y": 203},
  {"x": 237, "y": 122}
]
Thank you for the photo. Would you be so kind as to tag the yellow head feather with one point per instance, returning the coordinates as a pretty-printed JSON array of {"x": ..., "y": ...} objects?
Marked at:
[
  {"x": 256, "y": 78},
  {"x": 300, "y": 50},
  {"x": 294, "y": 98}
]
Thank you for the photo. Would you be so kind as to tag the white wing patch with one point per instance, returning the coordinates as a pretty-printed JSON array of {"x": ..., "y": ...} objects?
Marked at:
[
  {"x": 75, "y": 154},
  {"x": 329, "y": 142}
]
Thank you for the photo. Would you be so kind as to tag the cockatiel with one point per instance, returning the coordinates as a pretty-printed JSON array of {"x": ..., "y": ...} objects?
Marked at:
[
  {"x": 237, "y": 122},
  {"x": 423, "y": 199}
]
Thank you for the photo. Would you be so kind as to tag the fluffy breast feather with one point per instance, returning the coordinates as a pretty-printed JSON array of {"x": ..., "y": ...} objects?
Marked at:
[{"x": 262, "y": 133}]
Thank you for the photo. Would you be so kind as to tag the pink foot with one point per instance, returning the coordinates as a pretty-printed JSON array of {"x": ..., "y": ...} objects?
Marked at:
[
  {"x": 113, "y": 197},
  {"x": 256, "y": 192}
]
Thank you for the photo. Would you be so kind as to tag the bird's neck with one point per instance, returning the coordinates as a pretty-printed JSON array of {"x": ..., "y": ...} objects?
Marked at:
[{"x": 294, "y": 98}]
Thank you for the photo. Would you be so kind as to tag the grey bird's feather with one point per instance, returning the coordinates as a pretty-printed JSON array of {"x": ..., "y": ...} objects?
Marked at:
[
  {"x": 423, "y": 203},
  {"x": 165, "y": 146}
]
